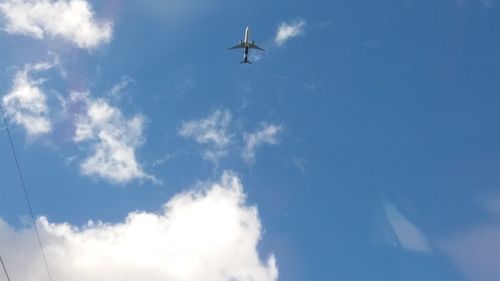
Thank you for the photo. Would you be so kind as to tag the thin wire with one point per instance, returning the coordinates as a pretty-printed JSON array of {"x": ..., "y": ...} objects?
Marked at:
[
  {"x": 25, "y": 193},
  {"x": 4, "y": 269}
]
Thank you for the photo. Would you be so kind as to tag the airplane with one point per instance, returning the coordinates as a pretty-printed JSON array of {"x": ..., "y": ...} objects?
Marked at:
[{"x": 246, "y": 44}]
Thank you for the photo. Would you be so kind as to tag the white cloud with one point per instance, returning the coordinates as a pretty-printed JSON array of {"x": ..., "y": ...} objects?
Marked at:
[
  {"x": 208, "y": 235},
  {"x": 287, "y": 31},
  {"x": 211, "y": 131},
  {"x": 114, "y": 140},
  {"x": 26, "y": 104},
  {"x": 268, "y": 134},
  {"x": 72, "y": 20}
]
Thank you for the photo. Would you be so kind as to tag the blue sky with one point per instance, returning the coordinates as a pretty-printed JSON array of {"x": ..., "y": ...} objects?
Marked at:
[{"x": 362, "y": 145}]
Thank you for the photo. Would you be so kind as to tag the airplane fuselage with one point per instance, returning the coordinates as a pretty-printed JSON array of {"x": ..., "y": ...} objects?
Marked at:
[
  {"x": 246, "y": 44},
  {"x": 247, "y": 35}
]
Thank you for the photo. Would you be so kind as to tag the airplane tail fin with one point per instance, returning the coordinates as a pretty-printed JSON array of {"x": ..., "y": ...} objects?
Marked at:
[{"x": 245, "y": 61}]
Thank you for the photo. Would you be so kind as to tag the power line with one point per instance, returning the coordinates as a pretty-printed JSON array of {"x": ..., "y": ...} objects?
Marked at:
[
  {"x": 21, "y": 179},
  {"x": 4, "y": 269}
]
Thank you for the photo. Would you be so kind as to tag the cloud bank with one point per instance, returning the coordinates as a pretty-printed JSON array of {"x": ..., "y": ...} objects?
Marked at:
[
  {"x": 114, "y": 140},
  {"x": 287, "y": 31},
  {"x": 71, "y": 20},
  {"x": 26, "y": 103},
  {"x": 208, "y": 235}
]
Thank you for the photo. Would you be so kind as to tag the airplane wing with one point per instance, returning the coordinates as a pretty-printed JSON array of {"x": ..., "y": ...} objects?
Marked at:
[
  {"x": 241, "y": 45},
  {"x": 253, "y": 46}
]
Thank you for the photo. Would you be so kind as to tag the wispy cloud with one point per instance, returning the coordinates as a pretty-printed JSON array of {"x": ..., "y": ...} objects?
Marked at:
[
  {"x": 114, "y": 140},
  {"x": 162, "y": 160},
  {"x": 475, "y": 248},
  {"x": 211, "y": 131},
  {"x": 116, "y": 91},
  {"x": 299, "y": 163},
  {"x": 267, "y": 134},
  {"x": 475, "y": 251},
  {"x": 72, "y": 20},
  {"x": 26, "y": 103},
  {"x": 491, "y": 204},
  {"x": 206, "y": 235},
  {"x": 286, "y": 31}
]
